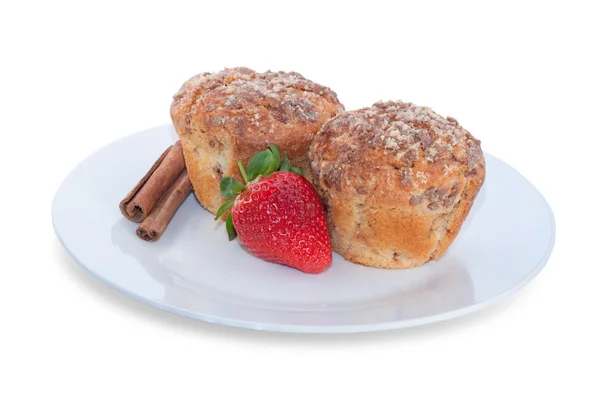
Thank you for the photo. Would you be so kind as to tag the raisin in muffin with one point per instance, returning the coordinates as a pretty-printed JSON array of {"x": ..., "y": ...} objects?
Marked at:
[
  {"x": 397, "y": 180},
  {"x": 228, "y": 116}
]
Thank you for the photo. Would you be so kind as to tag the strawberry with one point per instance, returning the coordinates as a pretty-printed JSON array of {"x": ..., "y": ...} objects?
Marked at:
[{"x": 277, "y": 214}]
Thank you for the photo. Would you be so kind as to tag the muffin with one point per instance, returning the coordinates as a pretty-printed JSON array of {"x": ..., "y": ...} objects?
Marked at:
[
  {"x": 397, "y": 181},
  {"x": 222, "y": 118}
]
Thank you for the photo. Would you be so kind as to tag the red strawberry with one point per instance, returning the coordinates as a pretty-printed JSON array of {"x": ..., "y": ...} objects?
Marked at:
[{"x": 277, "y": 214}]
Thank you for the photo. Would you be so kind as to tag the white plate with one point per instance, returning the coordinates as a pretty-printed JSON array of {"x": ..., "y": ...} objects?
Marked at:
[{"x": 194, "y": 271}]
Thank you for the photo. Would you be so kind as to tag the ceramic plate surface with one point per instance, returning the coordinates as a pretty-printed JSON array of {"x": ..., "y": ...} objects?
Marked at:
[{"x": 194, "y": 271}]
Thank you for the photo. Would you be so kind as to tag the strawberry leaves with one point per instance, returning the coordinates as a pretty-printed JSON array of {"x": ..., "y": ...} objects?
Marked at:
[
  {"x": 275, "y": 150},
  {"x": 286, "y": 166},
  {"x": 230, "y": 228},
  {"x": 230, "y": 187},
  {"x": 264, "y": 163},
  {"x": 260, "y": 165},
  {"x": 226, "y": 206}
]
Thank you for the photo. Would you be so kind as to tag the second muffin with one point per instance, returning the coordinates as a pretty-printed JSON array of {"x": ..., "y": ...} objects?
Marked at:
[{"x": 397, "y": 180}]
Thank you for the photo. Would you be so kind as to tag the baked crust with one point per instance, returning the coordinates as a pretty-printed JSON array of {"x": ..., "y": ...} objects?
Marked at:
[
  {"x": 397, "y": 180},
  {"x": 230, "y": 115}
]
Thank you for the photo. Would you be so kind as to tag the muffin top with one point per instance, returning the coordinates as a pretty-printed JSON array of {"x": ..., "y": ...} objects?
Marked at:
[
  {"x": 254, "y": 107},
  {"x": 399, "y": 153}
]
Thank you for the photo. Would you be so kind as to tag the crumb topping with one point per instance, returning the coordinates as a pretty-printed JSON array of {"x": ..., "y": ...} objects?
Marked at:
[
  {"x": 418, "y": 143},
  {"x": 404, "y": 128},
  {"x": 288, "y": 96}
]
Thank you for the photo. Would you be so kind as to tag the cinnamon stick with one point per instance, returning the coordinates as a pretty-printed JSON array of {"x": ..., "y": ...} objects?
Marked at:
[
  {"x": 141, "y": 200},
  {"x": 154, "y": 225}
]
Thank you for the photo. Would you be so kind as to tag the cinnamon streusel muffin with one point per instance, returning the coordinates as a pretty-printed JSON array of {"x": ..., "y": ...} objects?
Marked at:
[
  {"x": 230, "y": 115},
  {"x": 397, "y": 180}
]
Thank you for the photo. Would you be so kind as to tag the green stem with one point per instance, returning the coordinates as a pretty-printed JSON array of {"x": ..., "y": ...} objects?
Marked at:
[{"x": 243, "y": 171}]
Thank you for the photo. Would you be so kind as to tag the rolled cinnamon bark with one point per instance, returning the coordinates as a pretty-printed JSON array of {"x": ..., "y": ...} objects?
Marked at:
[
  {"x": 154, "y": 225},
  {"x": 142, "y": 199}
]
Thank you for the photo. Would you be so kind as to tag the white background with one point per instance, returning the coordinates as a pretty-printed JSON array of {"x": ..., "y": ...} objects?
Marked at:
[{"x": 521, "y": 76}]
